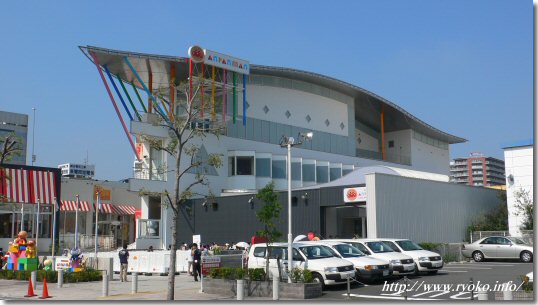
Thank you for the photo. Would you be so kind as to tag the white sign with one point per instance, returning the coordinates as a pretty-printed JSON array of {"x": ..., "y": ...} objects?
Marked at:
[
  {"x": 62, "y": 263},
  {"x": 227, "y": 62},
  {"x": 197, "y": 239},
  {"x": 355, "y": 194},
  {"x": 211, "y": 259}
]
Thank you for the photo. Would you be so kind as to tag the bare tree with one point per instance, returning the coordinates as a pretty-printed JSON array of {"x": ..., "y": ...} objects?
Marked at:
[
  {"x": 524, "y": 207},
  {"x": 183, "y": 127},
  {"x": 10, "y": 147}
]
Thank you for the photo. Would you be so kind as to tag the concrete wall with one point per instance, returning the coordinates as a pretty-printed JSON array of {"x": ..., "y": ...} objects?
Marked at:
[
  {"x": 423, "y": 210},
  {"x": 429, "y": 158},
  {"x": 518, "y": 163}
]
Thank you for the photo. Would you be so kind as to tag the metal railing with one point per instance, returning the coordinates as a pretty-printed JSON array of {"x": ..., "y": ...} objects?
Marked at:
[{"x": 526, "y": 235}]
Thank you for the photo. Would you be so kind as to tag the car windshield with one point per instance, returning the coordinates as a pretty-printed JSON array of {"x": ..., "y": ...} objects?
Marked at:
[
  {"x": 379, "y": 247},
  {"x": 517, "y": 241},
  {"x": 348, "y": 251},
  {"x": 316, "y": 252},
  {"x": 408, "y": 245}
]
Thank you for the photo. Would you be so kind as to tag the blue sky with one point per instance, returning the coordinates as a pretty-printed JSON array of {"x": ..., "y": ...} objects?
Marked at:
[{"x": 464, "y": 67}]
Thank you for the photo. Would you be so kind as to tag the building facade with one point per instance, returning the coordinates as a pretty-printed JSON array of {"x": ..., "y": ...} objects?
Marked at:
[
  {"x": 477, "y": 170},
  {"x": 519, "y": 163},
  {"x": 353, "y": 128},
  {"x": 15, "y": 123}
]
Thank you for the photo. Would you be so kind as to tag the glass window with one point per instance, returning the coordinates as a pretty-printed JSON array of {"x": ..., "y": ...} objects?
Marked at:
[
  {"x": 392, "y": 246},
  {"x": 309, "y": 173},
  {"x": 296, "y": 171},
  {"x": 408, "y": 245},
  {"x": 346, "y": 171},
  {"x": 279, "y": 169},
  {"x": 348, "y": 251},
  {"x": 279, "y": 252},
  {"x": 335, "y": 173},
  {"x": 517, "y": 241},
  {"x": 259, "y": 252},
  {"x": 322, "y": 174},
  {"x": 231, "y": 166},
  {"x": 316, "y": 252},
  {"x": 263, "y": 167},
  {"x": 489, "y": 241},
  {"x": 378, "y": 247},
  {"x": 245, "y": 165}
]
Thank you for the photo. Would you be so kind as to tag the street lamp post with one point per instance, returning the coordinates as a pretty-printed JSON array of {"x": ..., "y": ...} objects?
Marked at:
[
  {"x": 289, "y": 142},
  {"x": 33, "y": 139}
]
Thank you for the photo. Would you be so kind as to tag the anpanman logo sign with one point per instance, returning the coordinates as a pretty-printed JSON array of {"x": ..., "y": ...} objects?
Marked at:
[
  {"x": 355, "y": 194},
  {"x": 196, "y": 53}
]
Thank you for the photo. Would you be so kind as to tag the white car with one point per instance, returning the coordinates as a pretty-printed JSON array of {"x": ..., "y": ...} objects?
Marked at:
[
  {"x": 401, "y": 264},
  {"x": 425, "y": 260},
  {"x": 326, "y": 268},
  {"x": 366, "y": 267}
]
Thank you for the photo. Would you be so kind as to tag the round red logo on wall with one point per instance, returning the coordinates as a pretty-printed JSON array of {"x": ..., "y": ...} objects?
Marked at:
[
  {"x": 196, "y": 53},
  {"x": 351, "y": 194}
]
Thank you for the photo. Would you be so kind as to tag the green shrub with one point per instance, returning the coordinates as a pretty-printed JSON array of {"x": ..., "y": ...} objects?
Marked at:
[
  {"x": 301, "y": 276},
  {"x": 430, "y": 246},
  {"x": 307, "y": 276},
  {"x": 256, "y": 274},
  {"x": 227, "y": 273},
  {"x": 52, "y": 276},
  {"x": 526, "y": 285},
  {"x": 215, "y": 273}
]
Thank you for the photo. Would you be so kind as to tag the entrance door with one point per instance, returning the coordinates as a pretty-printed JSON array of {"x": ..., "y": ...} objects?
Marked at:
[{"x": 343, "y": 222}]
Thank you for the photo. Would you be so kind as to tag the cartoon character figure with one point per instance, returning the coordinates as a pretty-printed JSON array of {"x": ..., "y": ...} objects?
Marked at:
[
  {"x": 31, "y": 249},
  {"x": 13, "y": 247},
  {"x": 47, "y": 265},
  {"x": 21, "y": 240},
  {"x": 76, "y": 257}
]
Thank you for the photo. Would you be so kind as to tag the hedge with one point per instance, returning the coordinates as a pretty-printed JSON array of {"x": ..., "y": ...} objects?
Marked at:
[
  {"x": 52, "y": 276},
  {"x": 237, "y": 274}
]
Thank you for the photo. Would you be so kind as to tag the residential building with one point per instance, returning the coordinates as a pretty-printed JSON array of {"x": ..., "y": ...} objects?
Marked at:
[{"x": 477, "y": 170}]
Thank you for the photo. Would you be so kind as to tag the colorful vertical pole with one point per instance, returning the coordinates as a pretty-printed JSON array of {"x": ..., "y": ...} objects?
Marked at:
[
  {"x": 383, "y": 132},
  {"x": 244, "y": 100},
  {"x": 172, "y": 90},
  {"x": 234, "y": 96},
  {"x": 139, "y": 98},
  {"x": 118, "y": 92},
  {"x": 150, "y": 84},
  {"x": 202, "y": 93},
  {"x": 224, "y": 99},
  {"x": 190, "y": 80},
  {"x": 213, "y": 93}
]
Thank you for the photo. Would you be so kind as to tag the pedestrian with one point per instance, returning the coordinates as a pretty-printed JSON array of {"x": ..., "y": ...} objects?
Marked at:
[
  {"x": 197, "y": 258},
  {"x": 124, "y": 259},
  {"x": 189, "y": 262}
]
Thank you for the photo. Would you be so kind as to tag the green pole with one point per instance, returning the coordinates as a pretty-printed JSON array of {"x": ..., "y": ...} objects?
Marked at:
[
  {"x": 129, "y": 98},
  {"x": 139, "y": 98}
]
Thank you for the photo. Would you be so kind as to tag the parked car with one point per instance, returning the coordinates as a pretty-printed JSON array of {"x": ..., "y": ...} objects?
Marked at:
[
  {"x": 326, "y": 268},
  {"x": 366, "y": 267},
  {"x": 425, "y": 260},
  {"x": 498, "y": 247},
  {"x": 401, "y": 264}
]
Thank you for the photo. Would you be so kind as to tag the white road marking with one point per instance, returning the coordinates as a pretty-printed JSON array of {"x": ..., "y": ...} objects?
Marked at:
[
  {"x": 447, "y": 271},
  {"x": 388, "y": 297},
  {"x": 461, "y": 293},
  {"x": 437, "y": 293},
  {"x": 474, "y": 268}
]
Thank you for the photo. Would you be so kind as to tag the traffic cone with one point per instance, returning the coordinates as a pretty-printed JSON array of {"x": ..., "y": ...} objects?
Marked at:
[
  {"x": 30, "y": 290},
  {"x": 45, "y": 290}
]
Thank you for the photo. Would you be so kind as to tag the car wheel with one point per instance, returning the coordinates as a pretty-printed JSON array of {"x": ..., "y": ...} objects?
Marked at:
[
  {"x": 416, "y": 269},
  {"x": 319, "y": 279},
  {"x": 526, "y": 256},
  {"x": 478, "y": 256}
]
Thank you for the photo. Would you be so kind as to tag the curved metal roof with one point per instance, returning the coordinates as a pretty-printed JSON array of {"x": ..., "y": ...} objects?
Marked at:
[{"x": 366, "y": 102}]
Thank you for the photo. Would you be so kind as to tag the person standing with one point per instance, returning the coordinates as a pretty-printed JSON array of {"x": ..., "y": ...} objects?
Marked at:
[
  {"x": 197, "y": 259},
  {"x": 189, "y": 261},
  {"x": 124, "y": 259}
]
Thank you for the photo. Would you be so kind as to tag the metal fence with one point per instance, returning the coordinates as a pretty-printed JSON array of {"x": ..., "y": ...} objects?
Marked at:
[
  {"x": 526, "y": 235},
  {"x": 449, "y": 252},
  {"x": 87, "y": 242}
]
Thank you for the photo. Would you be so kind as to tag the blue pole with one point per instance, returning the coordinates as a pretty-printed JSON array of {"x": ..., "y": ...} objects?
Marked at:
[
  {"x": 145, "y": 87},
  {"x": 118, "y": 92}
]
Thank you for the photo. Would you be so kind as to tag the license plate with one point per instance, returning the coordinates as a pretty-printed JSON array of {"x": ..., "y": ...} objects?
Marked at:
[
  {"x": 385, "y": 272},
  {"x": 436, "y": 264},
  {"x": 408, "y": 267}
]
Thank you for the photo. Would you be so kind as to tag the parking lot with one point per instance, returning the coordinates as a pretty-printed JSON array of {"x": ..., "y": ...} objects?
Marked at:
[{"x": 451, "y": 283}]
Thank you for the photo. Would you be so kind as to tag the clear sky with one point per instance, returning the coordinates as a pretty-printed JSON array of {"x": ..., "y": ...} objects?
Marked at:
[{"x": 464, "y": 67}]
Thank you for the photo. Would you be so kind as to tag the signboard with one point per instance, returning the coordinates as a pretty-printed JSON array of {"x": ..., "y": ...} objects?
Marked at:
[
  {"x": 105, "y": 193},
  {"x": 197, "y": 239},
  {"x": 208, "y": 263},
  {"x": 219, "y": 60},
  {"x": 62, "y": 263},
  {"x": 355, "y": 194}
]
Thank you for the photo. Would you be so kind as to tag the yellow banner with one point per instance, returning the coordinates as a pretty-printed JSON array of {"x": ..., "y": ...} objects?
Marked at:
[{"x": 105, "y": 193}]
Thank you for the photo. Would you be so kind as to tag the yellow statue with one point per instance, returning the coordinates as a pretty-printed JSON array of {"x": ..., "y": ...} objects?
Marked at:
[
  {"x": 31, "y": 249},
  {"x": 13, "y": 247}
]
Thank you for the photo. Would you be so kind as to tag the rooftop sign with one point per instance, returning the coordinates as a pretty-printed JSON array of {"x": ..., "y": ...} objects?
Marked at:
[{"x": 219, "y": 60}]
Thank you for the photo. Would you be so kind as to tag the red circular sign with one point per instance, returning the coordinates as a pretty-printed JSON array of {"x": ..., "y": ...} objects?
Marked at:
[
  {"x": 196, "y": 53},
  {"x": 351, "y": 194}
]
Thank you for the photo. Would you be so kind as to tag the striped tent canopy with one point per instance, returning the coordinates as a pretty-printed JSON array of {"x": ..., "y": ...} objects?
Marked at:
[
  {"x": 109, "y": 208},
  {"x": 28, "y": 186},
  {"x": 71, "y": 206}
]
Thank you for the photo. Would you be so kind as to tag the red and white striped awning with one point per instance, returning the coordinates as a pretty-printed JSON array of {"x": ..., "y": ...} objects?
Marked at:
[
  {"x": 125, "y": 209},
  {"x": 71, "y": 206},
  {"x": 27, "y": 186},
  {"x": 107, "y": 208}
]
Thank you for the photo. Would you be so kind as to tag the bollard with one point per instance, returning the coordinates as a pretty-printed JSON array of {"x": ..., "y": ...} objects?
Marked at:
[
  {"x": 240, "y": 289},
  {"x": 134, "y": 283},
  {"x": 105, "y": 284},
  {"x": 472, "y": 290},
  {"x": 482, "y": 295},
  {"x": 276, "y": 287},
  {"x": 507, "y": 295},
  {"x": 348, "y": 288},
  {"x": 34, "y": 279},
  {"x": 406, "y": 287},
  {"x": 60, "y": 278}
]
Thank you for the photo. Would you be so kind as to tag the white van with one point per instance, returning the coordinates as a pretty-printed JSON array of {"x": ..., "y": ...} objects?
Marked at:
[
  {"x": 424, "y": 260},
  {"x": 366, "y": 267},
  {"x": 326, "y": 268},
  {"x": 401, "y": 264}
]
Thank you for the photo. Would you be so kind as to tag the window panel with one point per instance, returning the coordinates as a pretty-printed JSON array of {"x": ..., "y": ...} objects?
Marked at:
[
  {"x": 263, "y": 167},
  {"x": 279, "y": 169}
]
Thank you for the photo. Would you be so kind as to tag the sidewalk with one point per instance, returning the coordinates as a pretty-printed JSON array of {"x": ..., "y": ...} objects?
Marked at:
[{"x": 149, "y": 288}]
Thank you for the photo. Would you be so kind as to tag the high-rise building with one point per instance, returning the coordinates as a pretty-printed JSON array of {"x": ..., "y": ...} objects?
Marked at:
[
  {"x": 17, "y": 123},
  {"x": 477, "y": 170},
  {"x": 74, "y": 170}
]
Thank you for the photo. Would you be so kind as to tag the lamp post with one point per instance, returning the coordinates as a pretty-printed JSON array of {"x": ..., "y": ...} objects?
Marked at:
[
  {"x": 288, "y": 142},
  {"x": 33, "y": 139}
]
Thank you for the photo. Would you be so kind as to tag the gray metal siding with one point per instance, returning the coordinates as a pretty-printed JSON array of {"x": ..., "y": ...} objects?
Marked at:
[{"x": 428, "y": 211}]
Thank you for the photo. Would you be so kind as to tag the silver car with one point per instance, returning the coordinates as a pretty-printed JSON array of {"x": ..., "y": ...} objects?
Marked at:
[{"x": 498, "y": 247}]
